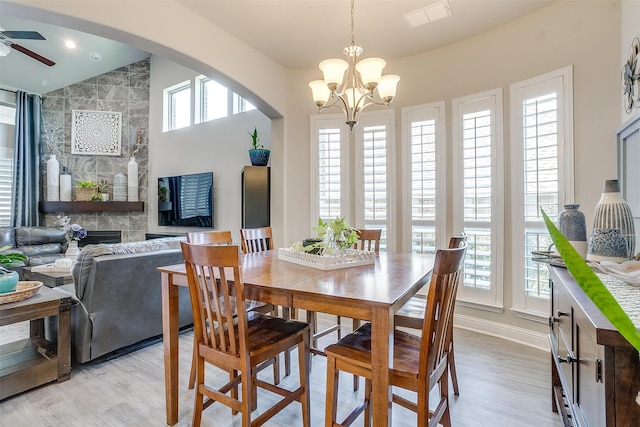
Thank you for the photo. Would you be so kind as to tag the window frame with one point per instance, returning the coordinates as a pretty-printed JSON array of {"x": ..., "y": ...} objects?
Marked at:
[
  {"x": 491, "y": 300},
  {"x": 384, "y": 118},
  {"x": 432, "y": 111},
  {"x": 534, "y": 308},
  {"x": 168, "y": 93}
]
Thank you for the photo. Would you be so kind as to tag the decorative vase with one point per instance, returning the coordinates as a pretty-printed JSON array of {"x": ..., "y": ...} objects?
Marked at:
[
  {"x": 72, "y": 250},
  {"x": 119, "y": 188},
  {"x": 53, "y": 179},
  {"x": 259, "y": 157},
  {"x": 65, "y": 188},
  {"x": 607, "y": 244},
  {"x": 8, "y": 280},
  {"x": 132, "y": 178},
  {"x": 573, "y": 226},
  {"x": 612, "y": 211}
]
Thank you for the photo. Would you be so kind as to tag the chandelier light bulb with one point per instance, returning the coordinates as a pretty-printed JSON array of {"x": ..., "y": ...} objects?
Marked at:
[
  {"x": 387, "y": 87},
  {"x": 320, "y": 92},
  {"x": 4, "y": 49},
  {"x": 333, "y": 71},
  {"x": 370, "y": 70}
]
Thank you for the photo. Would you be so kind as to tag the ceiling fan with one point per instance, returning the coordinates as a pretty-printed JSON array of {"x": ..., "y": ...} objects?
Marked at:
[{"x": 7, "y": 43}]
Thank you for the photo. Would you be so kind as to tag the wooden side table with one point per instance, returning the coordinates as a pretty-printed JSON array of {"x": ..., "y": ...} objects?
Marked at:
[
  {"x": 34, "y": 361},
  {"x": 50, "y": 279}
]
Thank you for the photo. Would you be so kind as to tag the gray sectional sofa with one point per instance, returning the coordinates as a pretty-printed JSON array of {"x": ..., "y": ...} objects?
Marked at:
[
  {"x": 42, "y": 245},
  {"x": 118, "y": 295}
]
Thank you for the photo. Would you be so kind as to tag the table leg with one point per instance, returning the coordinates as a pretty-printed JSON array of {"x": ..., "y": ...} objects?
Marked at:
[
  {"x": 381, "y": 360},
  {"x": 170, "y": 342}
]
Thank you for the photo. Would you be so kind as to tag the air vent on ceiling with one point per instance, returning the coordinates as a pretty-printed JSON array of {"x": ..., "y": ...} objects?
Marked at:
[{"x": 433, "y": 12}]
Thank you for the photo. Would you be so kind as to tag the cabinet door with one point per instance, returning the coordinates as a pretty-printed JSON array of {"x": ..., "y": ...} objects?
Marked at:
[{"x": 589, "y": 387}]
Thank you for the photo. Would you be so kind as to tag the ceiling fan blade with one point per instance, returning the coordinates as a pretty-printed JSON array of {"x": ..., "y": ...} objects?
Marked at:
[
  {"x": 24, "y": 35},
  {"x": 32, "y": 54}
]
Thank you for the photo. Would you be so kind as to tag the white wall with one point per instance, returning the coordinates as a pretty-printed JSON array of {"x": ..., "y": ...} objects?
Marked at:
[{"x": 220, "y": 146}]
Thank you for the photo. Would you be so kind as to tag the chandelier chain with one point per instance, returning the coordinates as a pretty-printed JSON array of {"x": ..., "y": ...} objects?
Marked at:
[{"x": 353, "y": 42}]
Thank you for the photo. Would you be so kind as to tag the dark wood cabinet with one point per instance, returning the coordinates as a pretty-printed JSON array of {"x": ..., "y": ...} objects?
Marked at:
[
  {"x": 256, "y": 196},
  {"x": 595, "y": 372}
]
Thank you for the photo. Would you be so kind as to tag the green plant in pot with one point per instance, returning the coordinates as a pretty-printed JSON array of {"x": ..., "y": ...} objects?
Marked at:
[
  {"x": 257, "y": 153},
  {"x": 331, "y": 236},
  {"x": 85, "y": 190},
  {"x": 9, "y": 278},
  {"x": 163, "y": 198}
]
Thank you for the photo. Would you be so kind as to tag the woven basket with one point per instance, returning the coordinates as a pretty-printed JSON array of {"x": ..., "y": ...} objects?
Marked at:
[
  {"x": 23, "y": 291},
  {"x": 84, "y": 194}
]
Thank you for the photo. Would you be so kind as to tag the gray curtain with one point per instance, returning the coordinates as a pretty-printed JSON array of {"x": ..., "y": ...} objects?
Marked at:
[{"x": 26, "y": 160}]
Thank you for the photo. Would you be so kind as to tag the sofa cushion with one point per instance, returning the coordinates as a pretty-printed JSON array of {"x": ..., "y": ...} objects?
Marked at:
[
  {"x": 26, "y": 236},
  {"x": 44, "y": 249},
  {"x": 82, "y": 268},
  {"x": 7, "y": 237}
]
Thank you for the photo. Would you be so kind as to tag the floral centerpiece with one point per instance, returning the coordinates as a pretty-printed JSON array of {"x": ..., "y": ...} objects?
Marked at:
[{"x": 74, "y": 233}]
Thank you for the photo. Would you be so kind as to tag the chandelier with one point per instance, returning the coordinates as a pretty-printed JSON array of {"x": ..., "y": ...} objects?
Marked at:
[{"x": 354, "y": 91}]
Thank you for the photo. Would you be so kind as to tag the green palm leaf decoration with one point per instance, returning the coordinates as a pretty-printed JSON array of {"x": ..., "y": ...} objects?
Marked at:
[{"x": 593, "y": 286}]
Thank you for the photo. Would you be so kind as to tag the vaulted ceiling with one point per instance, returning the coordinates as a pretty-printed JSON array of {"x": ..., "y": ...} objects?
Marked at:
[{"x": 295, "y": 33}]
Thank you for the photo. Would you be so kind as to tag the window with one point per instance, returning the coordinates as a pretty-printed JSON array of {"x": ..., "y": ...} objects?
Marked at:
[
  {"x": 478, "y": 204},
  {"x": 329, "y": 156},
  {"x": 7, "y": 142},
  {"x": 339, "y": 181},
  {"x": 424, "y": 176},
  {"x": 213, "y": 100},
  {"x": 542, "y": 176},
  {"x": 374, "y": 144},
  {"x": 177, "y": 106},
  {"x": 240, "y": 105}
]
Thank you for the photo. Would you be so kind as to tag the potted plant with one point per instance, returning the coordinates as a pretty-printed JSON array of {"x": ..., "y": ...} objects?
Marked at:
[
  {"x": 85, "y": 190},
  {"x": 257, "y": 153},
  {"x": 331, "y": 236},
  {"x": 163, "y": 198},
  {"x": 102, "y": 188},
  {"x": 9, "y": 278}
]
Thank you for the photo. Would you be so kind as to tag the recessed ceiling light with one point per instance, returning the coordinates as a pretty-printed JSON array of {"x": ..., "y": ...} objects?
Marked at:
[
  {"x": 95, "y": 56},
  {"x": 433, "y": 12},
  {"x": 70, "y": 44}
]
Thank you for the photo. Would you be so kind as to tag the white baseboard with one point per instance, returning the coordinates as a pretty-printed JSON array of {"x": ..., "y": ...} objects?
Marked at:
[{"x": 522, "y": 336}]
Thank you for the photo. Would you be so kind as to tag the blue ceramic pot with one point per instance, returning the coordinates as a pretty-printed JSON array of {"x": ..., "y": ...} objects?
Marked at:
[
  {"x": 607, "y": 245},
  {"x": 259, "y": 157},
  {"x": 8, "y": 280}
]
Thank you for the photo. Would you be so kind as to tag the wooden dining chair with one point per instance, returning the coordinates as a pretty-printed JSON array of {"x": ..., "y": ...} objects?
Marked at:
[
  {"x": 411, "y": 315},
  {"x": 259, "y": 240},
  {"x": 419, "y": 362},
  {"x": 238, "y": 341},
  {"x": 223, "y": 237}
]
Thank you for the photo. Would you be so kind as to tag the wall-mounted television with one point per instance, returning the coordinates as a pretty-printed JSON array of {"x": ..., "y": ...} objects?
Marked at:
[{"x": 186, "y": 200}]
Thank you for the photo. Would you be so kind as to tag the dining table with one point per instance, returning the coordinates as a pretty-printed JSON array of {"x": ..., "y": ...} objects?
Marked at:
[{"x": 372, "y": 292}]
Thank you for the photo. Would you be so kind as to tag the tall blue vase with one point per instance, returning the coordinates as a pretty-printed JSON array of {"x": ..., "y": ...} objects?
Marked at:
[
  {"x": 613, "y": 212},
  {"x": 573, "y": 226}
]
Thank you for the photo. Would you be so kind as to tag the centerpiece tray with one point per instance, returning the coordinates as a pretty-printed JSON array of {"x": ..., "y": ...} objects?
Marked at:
[{"x": 348, "y": 258}]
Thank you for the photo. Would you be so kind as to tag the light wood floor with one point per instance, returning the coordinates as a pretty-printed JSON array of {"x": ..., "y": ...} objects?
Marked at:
[{"x": 501, "y": 384}]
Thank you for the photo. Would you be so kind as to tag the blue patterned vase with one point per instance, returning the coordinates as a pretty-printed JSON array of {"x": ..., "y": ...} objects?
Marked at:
[
  {"x": 607, "y": 245},
  {"x": 573, "y": 226},
  {"x": 612, "y": 211}
]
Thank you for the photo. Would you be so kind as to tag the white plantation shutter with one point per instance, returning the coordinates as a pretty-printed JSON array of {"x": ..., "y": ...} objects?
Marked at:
[
  {"x": 541, "y": 175},
  {"x": 7, "y": 142},
  {"x": 375, "y": 179},
  {"x": 478, "y": 206},
  {"x": 329, "y": 172},
  {"x": 424, "y": 177}
]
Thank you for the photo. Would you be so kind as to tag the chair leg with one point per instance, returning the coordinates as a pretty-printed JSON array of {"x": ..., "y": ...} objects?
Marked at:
[
  {"x": 367, "y": 402},
  {"x": 332, "y": 393},
  {"x": 303, "y": 363},
  {"x": 198, "y": 400},
  {"x": 452, "y": 368},
  {"x": 356, "y": 379},
  {"x": 286, "y": 314},
  {"x": 192, "y": 373}
]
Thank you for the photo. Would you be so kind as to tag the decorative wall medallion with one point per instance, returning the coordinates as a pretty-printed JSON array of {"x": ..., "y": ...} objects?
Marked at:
[
  {"x": 631, "y": 78},
  {"x": 96, "y": 132}
]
